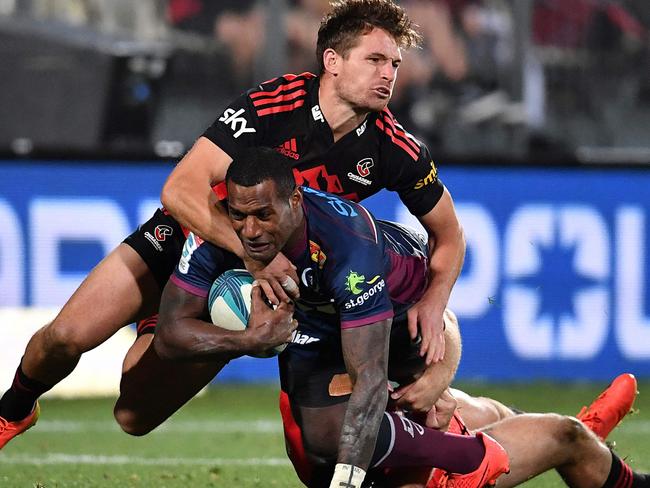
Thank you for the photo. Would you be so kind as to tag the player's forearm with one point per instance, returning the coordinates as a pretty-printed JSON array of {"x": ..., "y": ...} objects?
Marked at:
[
  {"x": 365, "y": 351},
  {"x": 195, "y": 340},
  {"x": 446, "y": 257},
  {"x": 362, "y": 419},
  {"x": 200, "y": 212}
]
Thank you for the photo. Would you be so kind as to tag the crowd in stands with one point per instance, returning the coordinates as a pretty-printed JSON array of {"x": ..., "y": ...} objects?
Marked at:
[{"x": 472, "y": 68}]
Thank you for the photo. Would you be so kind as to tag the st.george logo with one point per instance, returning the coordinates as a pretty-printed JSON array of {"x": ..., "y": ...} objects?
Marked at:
[
  {"x": 352, "y": 282},
  {"x": 355, "y": 283},
  {"x": 237, "y": 123}
]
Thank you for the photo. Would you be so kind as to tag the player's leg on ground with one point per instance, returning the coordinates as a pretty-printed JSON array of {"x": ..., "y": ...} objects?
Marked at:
[
  {"x": 478, "y": 412},
  {"x": 453, "y": 352},
  {"x": 537, "y": 443},
  {"x": 400, "y": 443},
  {"x": 152, "y": 389},
  {"x": 118, "y": 291},
  {"x": 445, "y": 370}
]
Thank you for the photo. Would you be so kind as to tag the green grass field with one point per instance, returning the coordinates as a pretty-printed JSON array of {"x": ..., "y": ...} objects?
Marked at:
[{"x": 230, "y": 437}]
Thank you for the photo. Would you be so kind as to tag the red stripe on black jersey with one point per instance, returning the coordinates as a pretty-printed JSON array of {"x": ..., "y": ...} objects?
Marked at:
[
  {"x": 285, "y": 97},
  {"x": 399, "y": 131},
  {"x": 397, "y": 141},
  {"x": 290, "y": 77},
  {"x": 281, "y": 108},
  {"x": 282, "y": 88}
]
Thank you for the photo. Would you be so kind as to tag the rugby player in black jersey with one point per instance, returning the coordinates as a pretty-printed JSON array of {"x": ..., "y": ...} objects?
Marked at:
[{"x": 338, "y": 130}]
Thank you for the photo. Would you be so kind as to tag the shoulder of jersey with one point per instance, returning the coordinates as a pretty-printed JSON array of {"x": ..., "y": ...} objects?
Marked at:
[
  {"x": 346, "y": 214},
  {"x": 282, "y": 94},
  {"x": 394, "y": 133}
]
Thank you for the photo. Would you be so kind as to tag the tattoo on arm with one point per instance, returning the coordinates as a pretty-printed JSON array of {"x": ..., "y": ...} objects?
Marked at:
[{"x": 365, "y": 350}]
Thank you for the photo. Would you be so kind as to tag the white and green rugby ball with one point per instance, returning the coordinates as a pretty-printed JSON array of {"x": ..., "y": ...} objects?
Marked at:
[{"x": 229, "y": 303}]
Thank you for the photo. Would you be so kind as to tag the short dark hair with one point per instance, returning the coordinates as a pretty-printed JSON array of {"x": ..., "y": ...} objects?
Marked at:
[
  {"x": 341, "y": 28},
  {"x": 254, "y": 165}
]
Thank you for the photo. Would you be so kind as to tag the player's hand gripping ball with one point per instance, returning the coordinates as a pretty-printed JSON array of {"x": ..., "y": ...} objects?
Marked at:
[{"x": 229, "y": 303}]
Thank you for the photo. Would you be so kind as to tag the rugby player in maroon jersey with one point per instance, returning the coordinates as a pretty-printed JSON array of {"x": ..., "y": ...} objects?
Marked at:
[
  {"x": 343, "y": 139},
  {"x": 358, "y": 341}
]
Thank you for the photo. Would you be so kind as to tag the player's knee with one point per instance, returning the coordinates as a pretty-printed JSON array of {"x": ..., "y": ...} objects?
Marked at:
[
  {"x": 319, "y": 449},
  {"x": 570, "y": 431},
  {"x": 130, "y": 422},
  {"x": 497, "y": 409},
  {"x": 61, "y": 339}
]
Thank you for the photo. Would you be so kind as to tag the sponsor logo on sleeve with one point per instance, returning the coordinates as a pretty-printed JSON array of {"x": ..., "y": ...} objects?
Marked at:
[
  {"x": 356, "y": 284},
  {"x": 192, "y": 243},
  {"x": 237, "y": 123},
  {"x": 428, "y": 179}
]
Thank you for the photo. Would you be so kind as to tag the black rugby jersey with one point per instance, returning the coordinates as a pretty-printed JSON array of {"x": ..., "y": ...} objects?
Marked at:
[{"x": 284, "y": 114}]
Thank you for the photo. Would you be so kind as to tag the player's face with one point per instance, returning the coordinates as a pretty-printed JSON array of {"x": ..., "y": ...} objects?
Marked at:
[
  {"x": 262, "y": 220},
  {"x": 366, "y": 76}
]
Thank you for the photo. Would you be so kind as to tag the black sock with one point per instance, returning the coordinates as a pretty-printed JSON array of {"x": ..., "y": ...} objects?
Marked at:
[
  {"x": 622, "y": 476},
  {"x": 18, "y": 401}
]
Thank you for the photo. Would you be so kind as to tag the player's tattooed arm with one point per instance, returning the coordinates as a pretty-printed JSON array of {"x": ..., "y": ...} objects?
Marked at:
[
  {"x": 185, "y": 333},
  {"x": 365, "y": 350}
]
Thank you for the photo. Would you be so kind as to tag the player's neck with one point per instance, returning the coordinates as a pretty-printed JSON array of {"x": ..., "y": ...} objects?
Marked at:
[
  {"x": 297, "y": 241},
  {"x": 339, "y": 114}
]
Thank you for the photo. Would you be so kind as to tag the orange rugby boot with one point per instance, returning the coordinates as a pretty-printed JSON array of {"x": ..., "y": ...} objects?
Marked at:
[
  {"x": 607, "y": 411},
  {"x": 494, "y": 464},
  {"x": 9, "y": 430}
]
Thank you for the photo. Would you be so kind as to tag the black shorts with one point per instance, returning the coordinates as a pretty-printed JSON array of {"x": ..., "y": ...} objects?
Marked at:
[
  {"x": 308, "y": 382},
  {"x": 159, "y": 242}
]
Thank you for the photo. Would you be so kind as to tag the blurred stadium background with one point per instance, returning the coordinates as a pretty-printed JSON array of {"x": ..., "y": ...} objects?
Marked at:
[{"x": 537, "y": 113}]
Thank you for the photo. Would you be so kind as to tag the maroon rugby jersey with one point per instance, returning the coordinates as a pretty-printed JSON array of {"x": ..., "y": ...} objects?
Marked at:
[{"x": 284, "y": 114}]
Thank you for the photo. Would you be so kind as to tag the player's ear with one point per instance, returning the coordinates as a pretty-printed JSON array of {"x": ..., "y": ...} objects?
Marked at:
[
  {"x": 331, "y": 61},
  {"x": 295, "y": 200}
]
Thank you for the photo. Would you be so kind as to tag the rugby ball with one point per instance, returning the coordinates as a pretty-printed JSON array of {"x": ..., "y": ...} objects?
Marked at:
[{"x": 229, "y": 303}]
